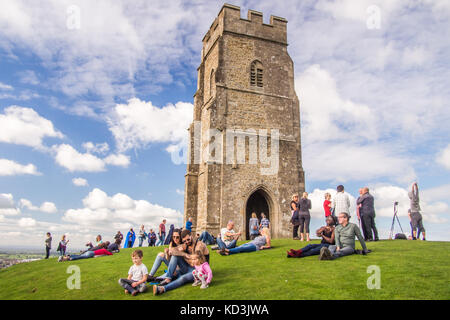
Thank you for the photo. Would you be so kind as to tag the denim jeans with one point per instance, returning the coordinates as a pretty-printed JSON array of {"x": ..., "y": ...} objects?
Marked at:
[
  {"x": 313, "y": 249},
  {"x": 207, "y": 238},
  {"x": 158, "y": 261},
  {"x": 160, "y": 241},
  {"x": 246, "y": 247},
  {"x": 342, "y": 252},
  {"x": 185, "y": 273},
  {"x": 126, "y": 284},
  {"x": 86, "y": 255},
  {"x": 141, "y": 240},
  {"x": 222, "y": 244}
]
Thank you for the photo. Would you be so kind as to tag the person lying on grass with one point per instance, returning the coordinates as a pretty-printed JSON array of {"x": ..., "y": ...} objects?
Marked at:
[
  {"x": 327, "y": 235},
  {"x": 85, "y": 255},
  {"x": 165, "y": 256},
  {"x": 259, "y": 243},
  {"x": 345, "y": 234},
  {"x": 184, "y": 258},
  {"x": 137, "y": 275}
]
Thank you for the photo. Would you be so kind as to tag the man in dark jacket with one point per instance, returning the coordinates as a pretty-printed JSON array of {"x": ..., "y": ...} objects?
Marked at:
[{"x": 367, "y": 213}]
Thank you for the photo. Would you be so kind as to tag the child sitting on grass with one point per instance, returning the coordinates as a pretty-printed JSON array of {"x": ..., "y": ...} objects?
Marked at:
[
  {"x": 202, "y": 273},
  {"x": 137, "y": 275}
]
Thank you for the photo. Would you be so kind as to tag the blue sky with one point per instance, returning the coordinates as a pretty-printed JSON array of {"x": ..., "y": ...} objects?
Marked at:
[{"x": 103, "y": 91}]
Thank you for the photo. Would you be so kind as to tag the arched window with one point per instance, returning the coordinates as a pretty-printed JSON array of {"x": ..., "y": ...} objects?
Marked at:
[
  {"x": 212, "y": 82},
  {"x": 256, "y": 74}
]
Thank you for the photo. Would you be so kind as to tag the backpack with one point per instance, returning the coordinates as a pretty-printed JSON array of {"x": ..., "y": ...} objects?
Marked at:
[{"x": 400, "y": 236}]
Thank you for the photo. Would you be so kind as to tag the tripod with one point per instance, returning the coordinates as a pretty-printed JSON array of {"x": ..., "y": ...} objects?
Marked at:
[{"x": 393, "y": 221}]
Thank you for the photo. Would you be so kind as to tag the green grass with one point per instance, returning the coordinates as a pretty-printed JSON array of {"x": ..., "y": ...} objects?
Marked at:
[{"x": 409, "y": 270}]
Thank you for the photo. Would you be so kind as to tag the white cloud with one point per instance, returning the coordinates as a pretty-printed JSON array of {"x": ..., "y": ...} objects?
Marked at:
[
  {"x": 4, "y": 86},
  {"x": 118, "y": 160},
  {"x": 100, "y": 148},
  {"x": 28, "y": 77},
  {"x": 7, "y": 206},
  {"x": 27, "y": 222},
  {"x": 180, "y": 192},
  {"x": 69, "y": 158},
  {"x": 24, "y": 126},
  {"x": 139, "y": 123},
  {"x": 48, "y": 207},
  {"x": 119, "y": 208},
  {"x": 444, "y": 157},
  {"x": 80, "y": 182},
  {"x": 11, "y": 168}
]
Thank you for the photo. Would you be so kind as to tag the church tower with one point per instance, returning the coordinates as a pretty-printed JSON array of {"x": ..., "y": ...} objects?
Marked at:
[{"x": 245, "y": 148}]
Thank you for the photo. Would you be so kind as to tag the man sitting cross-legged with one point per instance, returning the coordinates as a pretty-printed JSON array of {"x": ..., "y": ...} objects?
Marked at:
[
  {"x": 228, "y": 237},
  {"x": 185, "y": 259},
  {"x": 345, "y": 234},
  {"x": 327, "y": 235}
]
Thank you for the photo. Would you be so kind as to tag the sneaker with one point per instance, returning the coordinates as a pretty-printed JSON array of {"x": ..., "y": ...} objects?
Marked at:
[
  {"x": 157, "y": 290},
  {"x": 196, "y": 283},
  {"x": 215, "y": 248},
  {"x": 325, "y": 254},
  {"x": 204, "y": 286},
  {"x": 151, "y": 278},
  {"x": 60, "y": 259},
  {"x": 222, "y": 252}
]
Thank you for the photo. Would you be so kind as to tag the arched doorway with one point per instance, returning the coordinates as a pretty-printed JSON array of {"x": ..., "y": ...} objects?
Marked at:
[{"x": 258, "y": 203}]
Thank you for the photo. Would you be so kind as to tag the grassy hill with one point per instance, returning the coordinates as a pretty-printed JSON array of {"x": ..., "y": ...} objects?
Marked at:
[{"x": 409, "y": 270}]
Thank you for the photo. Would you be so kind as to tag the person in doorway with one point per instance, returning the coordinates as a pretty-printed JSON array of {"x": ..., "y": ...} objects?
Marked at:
[{"x": 253, "y": 225}]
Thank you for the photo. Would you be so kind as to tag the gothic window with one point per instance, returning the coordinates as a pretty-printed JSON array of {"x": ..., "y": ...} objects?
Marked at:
[{"x": 256, "y": 74}]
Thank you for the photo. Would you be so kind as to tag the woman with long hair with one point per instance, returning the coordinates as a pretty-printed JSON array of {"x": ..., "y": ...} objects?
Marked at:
[
  {"x": 259, "y": 243},
  {"x": 304, "y": 216}
]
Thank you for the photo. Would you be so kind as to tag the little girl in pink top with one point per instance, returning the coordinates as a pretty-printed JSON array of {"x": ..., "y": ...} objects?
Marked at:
[{"x": 202, "y": 273}]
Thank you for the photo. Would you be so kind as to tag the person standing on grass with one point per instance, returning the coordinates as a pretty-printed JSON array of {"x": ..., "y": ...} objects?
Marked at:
[
  {"x": 304, "y": 216},
  {"x": 48, "y": 245},
  {"x": 151, "y": 238},
  {"x": 184, "y": 259},
  {"x": 415, "y": 216},
  {"x": 345, "y": 234},
  {"x": 295, "y": 219},
  {"x": 62, "y": 246},
  {"x": 161, "y": 233},
  {"x": 341, "y": 201},
  {"x": 259, "y": 243},
  {"x": 327, "y": 205},
  {"x": 365, "y": 203},
  {"x": 253, "y": 225},
  {"x": 137, "y": 275},
  {"x": 118, "y": 237},
  {"x": 265, "y": 223},
  {"x": 189, "y": 224},
  {"x": 142, "y": 235},
  {"x": 327, "y": 235},
  {"x": 228, "y": 237}
]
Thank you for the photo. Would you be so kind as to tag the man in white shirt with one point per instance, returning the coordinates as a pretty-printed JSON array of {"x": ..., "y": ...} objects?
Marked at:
[
  {"x": 228, "y": 237},
  {"x": 341, "y": 201}
]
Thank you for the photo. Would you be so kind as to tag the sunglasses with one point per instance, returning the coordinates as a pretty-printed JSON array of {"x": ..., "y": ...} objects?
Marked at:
[{"x": 176, "y": 237}]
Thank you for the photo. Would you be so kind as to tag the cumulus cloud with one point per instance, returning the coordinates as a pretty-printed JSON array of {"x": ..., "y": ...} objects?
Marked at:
[
  {"x": 26, "y": 222},
  {"x": 47, "y": 207},
  {"x": 139, "y": 123},
  {"x": 4, "y": 86},
  {"x": 444, "y": 157},
  {"x": 68, "y": 157},
  {"x": 7, "y": 205},
  {"x": 80, "y": 182},
  {"x": 99, "y": 208},
  {"x": 24, "y": 126},
  {"x": 12, "y": 168},
  {"x": 100, "y": 148}
]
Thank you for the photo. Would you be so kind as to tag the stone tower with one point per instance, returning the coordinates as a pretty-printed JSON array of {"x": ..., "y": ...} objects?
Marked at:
[{"x": 245, "y": 96}]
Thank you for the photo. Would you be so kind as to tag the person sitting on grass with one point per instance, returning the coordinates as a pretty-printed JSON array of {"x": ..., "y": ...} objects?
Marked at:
[
  {"x": 207, "y": 238},
  {"x": 114, "y": 247},
  {"x": 327, "y": 235},
  {"x": 345, "y": 234},
  {"x": 228, "y": 237},
  {"x": 183, "y": 258},
  {"x": 137, "y": 275},
  {"x": 165, "y": 256},
  {"x": 259, "y": 243},
  {"x": 202, "y": 273}
]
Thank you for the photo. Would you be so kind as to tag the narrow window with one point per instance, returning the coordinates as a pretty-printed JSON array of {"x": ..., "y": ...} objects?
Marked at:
[{"x": 256, "y": 74}]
